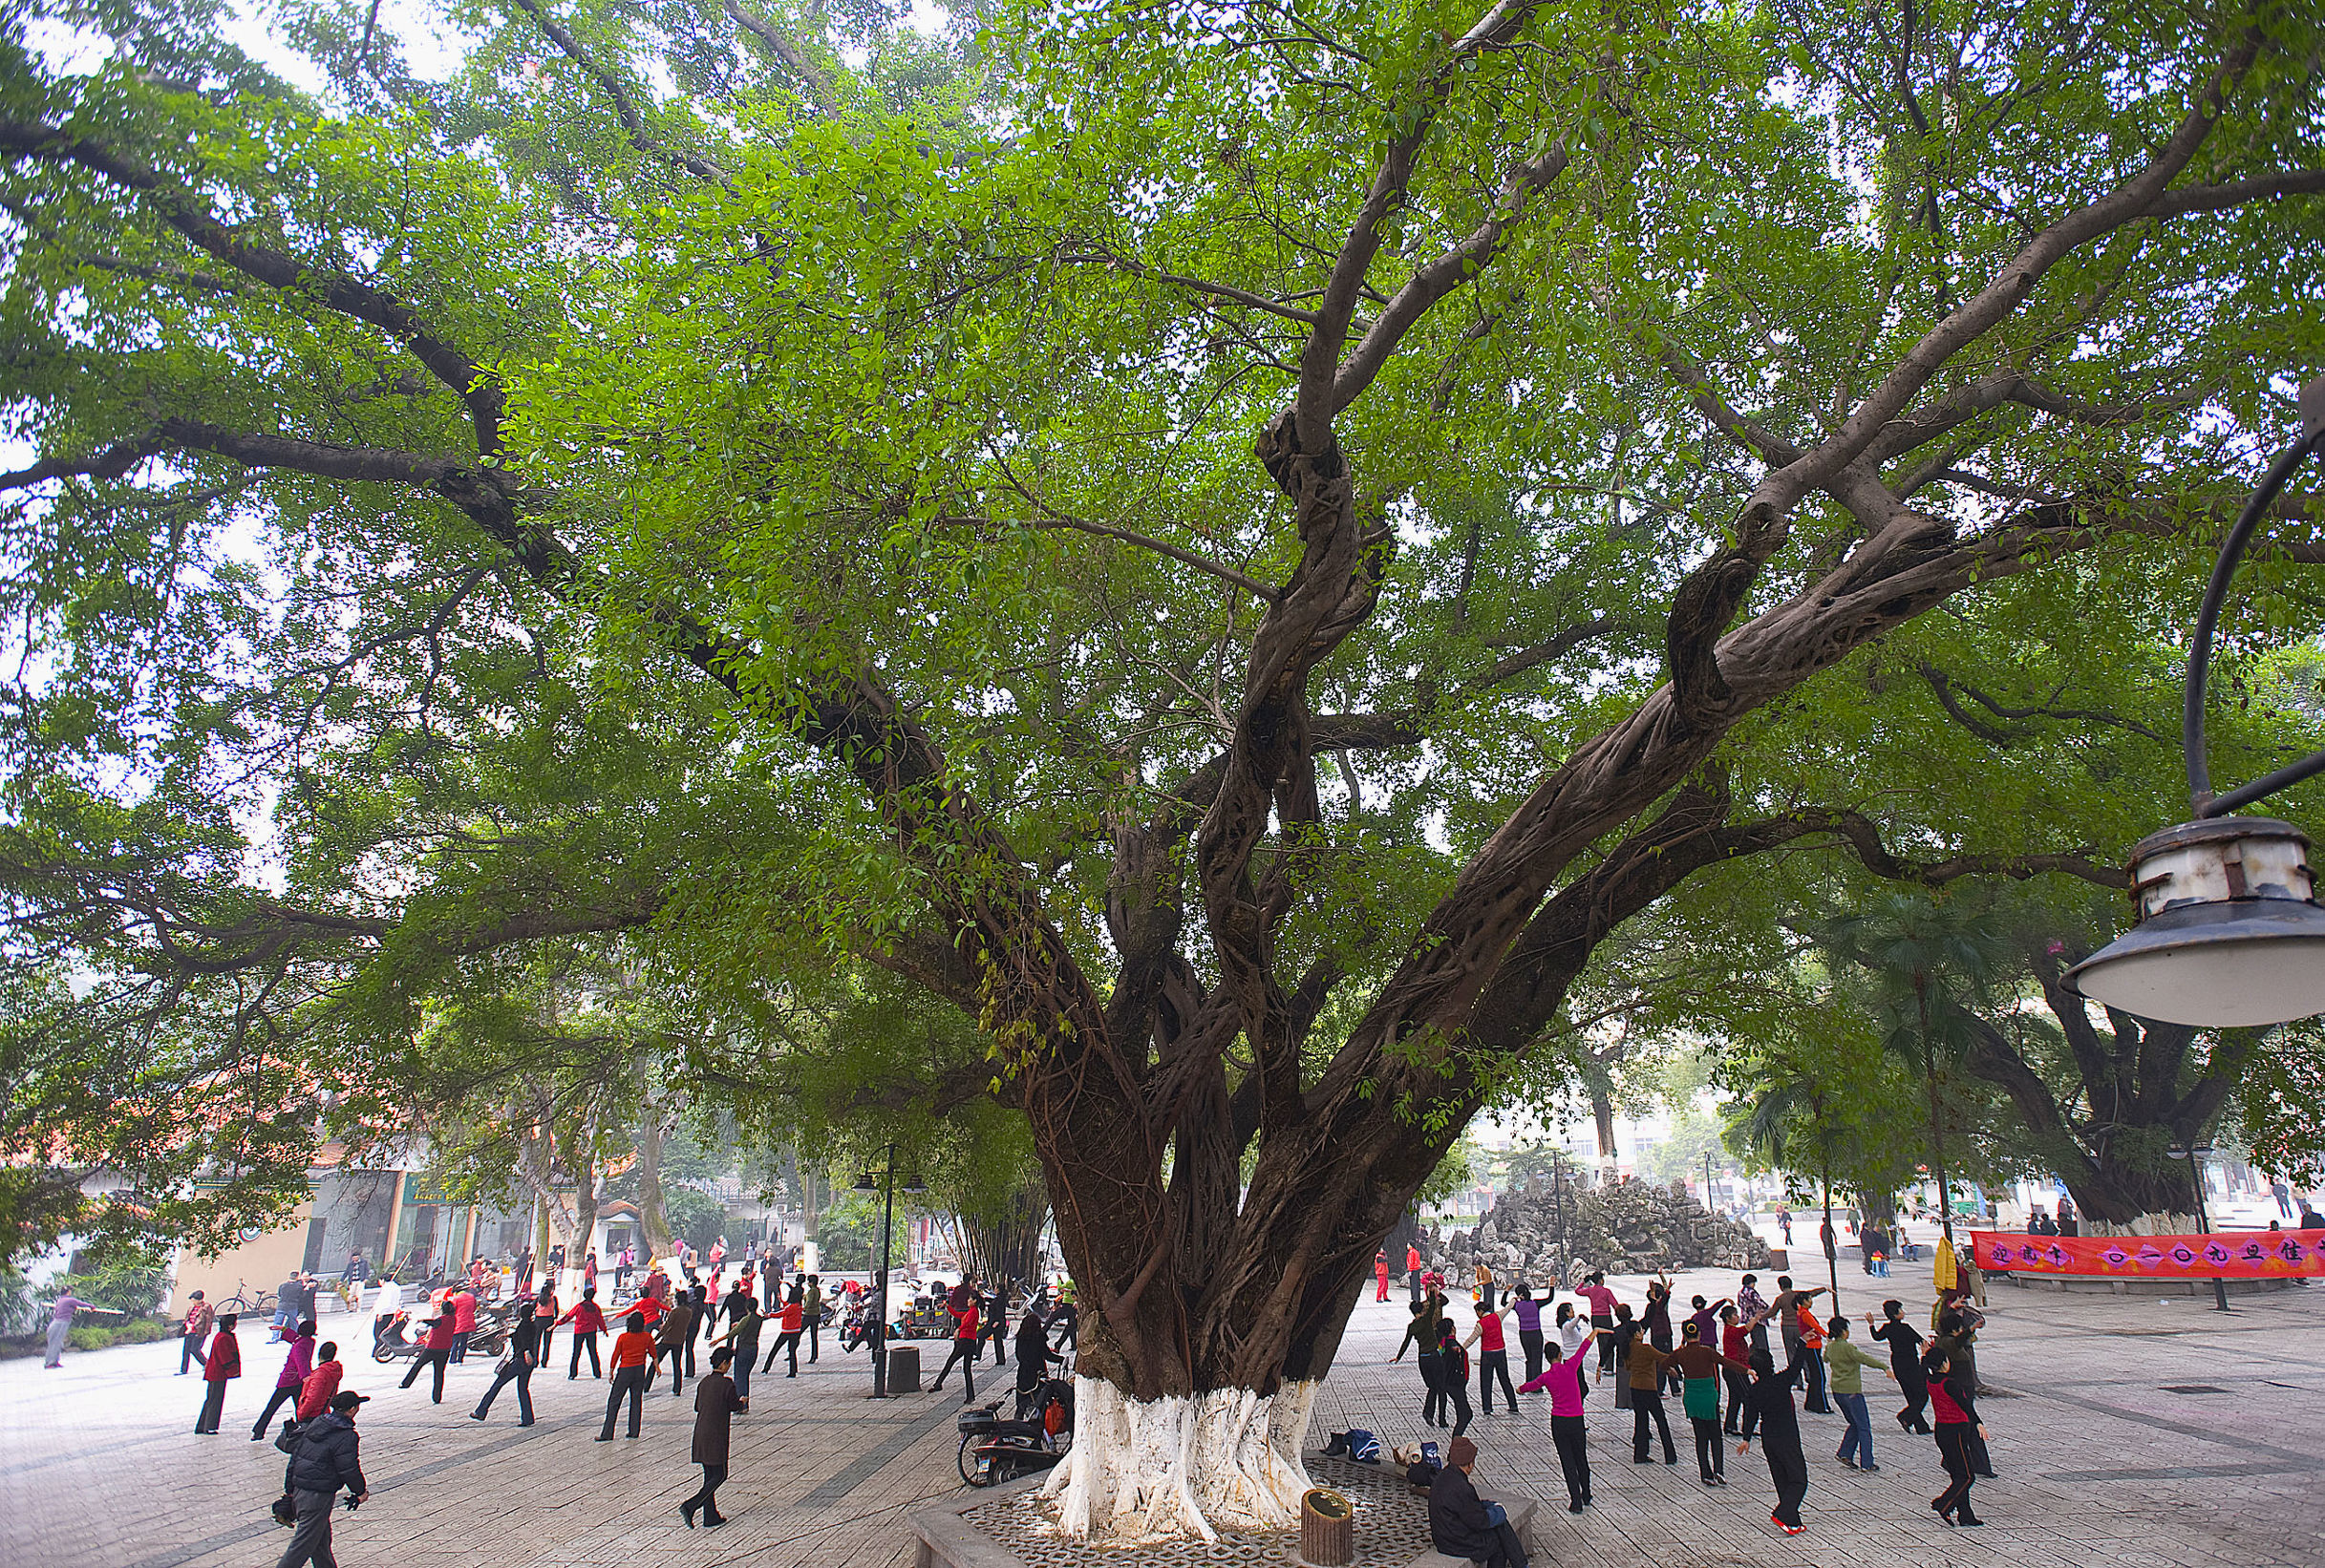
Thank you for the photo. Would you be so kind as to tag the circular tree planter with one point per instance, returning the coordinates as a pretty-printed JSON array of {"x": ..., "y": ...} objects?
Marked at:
[{"x": 1328, "y": 1524}]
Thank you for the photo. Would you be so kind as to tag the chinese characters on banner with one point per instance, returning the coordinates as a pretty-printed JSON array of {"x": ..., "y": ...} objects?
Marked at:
[{"x": 2236, "y": 1255}]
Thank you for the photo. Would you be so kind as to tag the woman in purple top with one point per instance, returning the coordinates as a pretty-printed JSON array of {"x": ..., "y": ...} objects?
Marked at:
[
  {"x": 1530, "y": 1330},
  {"x": 1563, "y": 1378},
  {"x": 60, "y": 1323}
]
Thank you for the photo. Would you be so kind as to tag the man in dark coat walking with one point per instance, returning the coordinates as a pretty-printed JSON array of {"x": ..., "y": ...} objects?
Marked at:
[
  {"x": 715, "y": 1406},
  {"x": 324, "y": 1460}
]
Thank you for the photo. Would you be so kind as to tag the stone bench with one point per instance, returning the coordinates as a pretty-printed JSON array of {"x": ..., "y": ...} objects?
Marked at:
[{"x": 1522, "y": 1512}]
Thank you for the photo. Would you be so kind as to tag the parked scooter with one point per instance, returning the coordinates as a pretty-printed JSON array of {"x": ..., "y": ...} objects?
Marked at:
[
  {"x": 994, "y": 1450},
  {"x": 395, "y": 1342}
]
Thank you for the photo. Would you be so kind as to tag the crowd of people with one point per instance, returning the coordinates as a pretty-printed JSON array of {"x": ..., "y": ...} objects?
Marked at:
[
  {"x": 670, "y": 1329},
  {"x": 1718, "y": 1359}
]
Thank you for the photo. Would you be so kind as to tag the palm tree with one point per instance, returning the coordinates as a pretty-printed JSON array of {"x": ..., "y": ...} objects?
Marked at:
[{"x": 1932, "y": 964}]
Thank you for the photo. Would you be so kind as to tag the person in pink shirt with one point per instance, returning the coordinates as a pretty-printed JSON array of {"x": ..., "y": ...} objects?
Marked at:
[
  {"x": 1602, "y": 1316},
  {"x": 296, "y": 1365},
  {"x": 1562, "y": 1378}
]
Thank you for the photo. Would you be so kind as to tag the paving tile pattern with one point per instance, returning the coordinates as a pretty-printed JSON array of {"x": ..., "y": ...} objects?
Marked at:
[{"x": 2101, "y": 1465}]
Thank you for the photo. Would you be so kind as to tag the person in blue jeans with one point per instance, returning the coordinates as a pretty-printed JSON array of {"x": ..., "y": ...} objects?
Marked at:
[{"x": 1847, "y": 1365}]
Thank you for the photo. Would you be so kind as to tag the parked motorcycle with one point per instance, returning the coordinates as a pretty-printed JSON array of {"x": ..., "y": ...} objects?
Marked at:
[
  {"x": 994, "y": 1451},
  {"x": 395, "y": 1342}
]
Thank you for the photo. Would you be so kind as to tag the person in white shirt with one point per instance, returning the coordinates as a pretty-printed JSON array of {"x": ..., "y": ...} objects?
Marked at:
[{"x": 390, "y": 1302}]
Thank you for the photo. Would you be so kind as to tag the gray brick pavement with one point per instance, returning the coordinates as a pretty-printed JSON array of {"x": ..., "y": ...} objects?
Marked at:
[{"x": 2100, "y": 1467}]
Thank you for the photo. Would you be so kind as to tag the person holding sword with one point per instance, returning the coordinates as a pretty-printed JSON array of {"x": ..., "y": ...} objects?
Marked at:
[{"x": 60, "y": 1323}]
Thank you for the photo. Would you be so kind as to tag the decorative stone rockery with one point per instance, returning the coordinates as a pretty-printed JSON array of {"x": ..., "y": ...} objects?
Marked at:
[{"x": 1626, "y": 1227}]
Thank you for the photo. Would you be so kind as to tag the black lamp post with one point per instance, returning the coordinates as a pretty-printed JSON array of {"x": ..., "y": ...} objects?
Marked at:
[
  {"x": 2230, "y": 932},
  {"x": 2195, "y": 1171},
  {"x": 884, "y": 1182}
]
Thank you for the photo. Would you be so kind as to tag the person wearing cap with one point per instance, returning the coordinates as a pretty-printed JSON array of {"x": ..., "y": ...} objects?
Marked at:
[
  {"x": 326, "y": 1459},
  {"x": 1461, "y": 1524},
  {"x": 716, "y": 1404},
  {"x": 200, "y": 1315}
]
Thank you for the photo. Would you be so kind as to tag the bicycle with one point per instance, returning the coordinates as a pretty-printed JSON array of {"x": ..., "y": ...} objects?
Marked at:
[{"x": 242, "y": 1305}]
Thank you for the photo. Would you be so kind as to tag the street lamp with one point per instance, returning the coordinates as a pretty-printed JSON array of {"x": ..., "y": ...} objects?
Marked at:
[
  {"x": 2195, "y": 1169},
  {"x": 2228, "y": 929},
  {"x": 884, "y": 1182}
]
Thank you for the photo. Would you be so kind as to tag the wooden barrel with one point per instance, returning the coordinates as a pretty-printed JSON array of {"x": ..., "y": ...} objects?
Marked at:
[{"x": 1328, "y": 1528}]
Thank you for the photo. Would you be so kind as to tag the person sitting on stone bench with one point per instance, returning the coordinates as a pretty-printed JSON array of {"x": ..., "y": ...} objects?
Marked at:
[{"x": 1461, "y": 1524}]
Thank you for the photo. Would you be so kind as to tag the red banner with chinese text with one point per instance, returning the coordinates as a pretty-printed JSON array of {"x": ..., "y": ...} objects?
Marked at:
[{"x": 2234, "y": 1255}]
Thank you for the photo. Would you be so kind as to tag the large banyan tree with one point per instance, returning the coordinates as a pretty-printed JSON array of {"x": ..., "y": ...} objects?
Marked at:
[{"x": 1235, "y": 543}]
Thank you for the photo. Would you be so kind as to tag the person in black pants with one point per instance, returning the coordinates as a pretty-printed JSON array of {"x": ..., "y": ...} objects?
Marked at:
[
  {"x": 1735, "y": 1345},
  {"x": 671, "y": 1341},
  {"x": 964, "y": 1349},
  {"x": 434, "y": 1353},
  {"x": 1452, "y": 1373},
  {"x": 517, "y": 1367},
  {"x": 717, "y": 1402},
  {"x": 633, "y": 1355},
  {"x": 1954, "y": 1395},
  {"x": 1905, "y": 1363},
  {"x": 1493, "y": 1360},
  {"x": 1779, "y": 1435},
  {"x": 995, "y": 1321},
  {"x": 1645, "y": 1373}
]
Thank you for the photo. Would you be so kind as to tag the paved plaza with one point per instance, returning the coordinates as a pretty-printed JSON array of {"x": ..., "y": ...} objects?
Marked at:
[{"x": 2134, "y": 1431}]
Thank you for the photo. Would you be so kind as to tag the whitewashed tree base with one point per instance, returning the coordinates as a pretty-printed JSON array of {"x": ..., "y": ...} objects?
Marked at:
[{"x": 1169, "y": 1469}]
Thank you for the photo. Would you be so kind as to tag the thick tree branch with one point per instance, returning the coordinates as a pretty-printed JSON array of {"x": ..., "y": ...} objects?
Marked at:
[
  {"x": 814, "y": 81},
  {"x": 624, "y": 108},
  {"x": 2238, "y": 193},
  {"x": 191, "y": 217}
]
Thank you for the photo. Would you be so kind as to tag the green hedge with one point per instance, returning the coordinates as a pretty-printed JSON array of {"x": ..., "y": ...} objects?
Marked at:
[{"x": 137, "y": 1331}]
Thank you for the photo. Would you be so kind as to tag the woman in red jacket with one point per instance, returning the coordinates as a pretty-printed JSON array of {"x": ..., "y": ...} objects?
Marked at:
[
  {"x": 634, "y": 1352},
  {"x": 225, "y": 1361},
  {"x": 589, "y": 1321},
  {"x": 434, "y": 1353},
  {"x": 964, "y": 1349}
]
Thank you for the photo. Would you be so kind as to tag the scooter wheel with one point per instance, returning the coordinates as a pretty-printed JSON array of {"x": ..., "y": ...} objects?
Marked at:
[
  {"x": 976, "y": 1469},
  {"x": 380, "y": 1353}
]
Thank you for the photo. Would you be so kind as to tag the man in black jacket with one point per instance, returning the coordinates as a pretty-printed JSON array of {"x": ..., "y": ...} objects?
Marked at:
[
  {"x": 1460, "y": 1523},
  {"x": 324, "y": 1461}
]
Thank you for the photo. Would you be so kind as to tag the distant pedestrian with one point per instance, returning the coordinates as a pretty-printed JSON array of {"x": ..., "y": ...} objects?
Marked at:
[
  {"x": 1562, "y": 1379},
  {"x": 297, "y": 1362},
  {"x": 964, "y": 1346},
  {"x": 590, "y": 1269},
  {"x": 2070, "y": 1223},
  {"x": 60, "y": 1323},
  {"x": 1847, "y": 1364},
  {"x": 1784, "y": 1221},
  {"x": 200, "y": 1315},
  {"x": 224, "y": 1362},
  {"x": 325, "y": 1458},
  {"x": 287, "y": 1313},
  {"x": 1412, "y": 1269},
  {"x": 315, "y": 1393},
  {"x": 634, "y": 1354},
  {"x": 1903, "y": 1341},
  {"x": 788, "y": 1323},
  {"x": 2282, "y": 1191},
  {"x": 589, "y": 1321},
  {"x": 516, "y": 1367},
  {"x": 1481, "y": 1284},
  {"x": 434, "y": 1353},
  {"x": 717, "y": 1402},
  {"x": 1380, "y": 1275},
  {"x": 811, "y": 1319},
  {"x": 1780, "y": 1436}
]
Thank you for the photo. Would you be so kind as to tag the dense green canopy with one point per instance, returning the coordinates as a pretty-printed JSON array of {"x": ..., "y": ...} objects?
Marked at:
[{"x": 1228, "y": 547}]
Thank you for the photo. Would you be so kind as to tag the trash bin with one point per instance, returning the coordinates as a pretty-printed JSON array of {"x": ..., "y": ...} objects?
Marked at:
[{"x": 903, "y": 1369}]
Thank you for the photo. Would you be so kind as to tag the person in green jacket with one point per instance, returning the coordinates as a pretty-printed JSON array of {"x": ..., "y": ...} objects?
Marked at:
[{"x": 1847, "y": 1367}]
